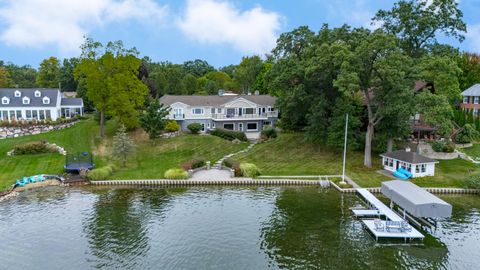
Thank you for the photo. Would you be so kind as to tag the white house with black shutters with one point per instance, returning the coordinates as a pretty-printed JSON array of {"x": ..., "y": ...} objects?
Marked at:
[
  {"x": 245, "y": 113},
  {"x": 18, "y": 104}
]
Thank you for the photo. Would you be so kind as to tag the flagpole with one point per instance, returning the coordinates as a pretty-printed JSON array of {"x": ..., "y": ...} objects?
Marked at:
[{"x": 345, "y": 150}]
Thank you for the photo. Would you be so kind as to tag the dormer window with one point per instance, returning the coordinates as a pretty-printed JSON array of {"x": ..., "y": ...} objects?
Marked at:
[
  {"x": 18, "y": 93},
  {"x": 26, "y": 100},
  {"x": 46, "y": 100},
  {"x": 37, "y": 93},
  {"x": 5, "y": 100}
]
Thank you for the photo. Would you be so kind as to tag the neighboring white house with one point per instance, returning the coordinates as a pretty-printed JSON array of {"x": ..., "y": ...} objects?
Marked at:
[
  {"x": 37, "y": 104},
  {"x": 415, "y": 163},
  {"x": 246, "y": 113}
]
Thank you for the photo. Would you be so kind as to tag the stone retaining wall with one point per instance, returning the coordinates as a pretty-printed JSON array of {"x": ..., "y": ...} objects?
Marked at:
[{"x": 13, "y": 132}]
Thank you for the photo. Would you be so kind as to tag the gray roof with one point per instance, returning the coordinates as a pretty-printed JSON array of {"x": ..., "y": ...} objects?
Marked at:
[
  {"x": 409, "y": 157},
  {"x": 215, "y": 100},
  {"x": 474, "y": 90},
  {"x": 71, "y": 102},
  {"x": 28, "y": 92},
  {"x": 416, "y": 200}
]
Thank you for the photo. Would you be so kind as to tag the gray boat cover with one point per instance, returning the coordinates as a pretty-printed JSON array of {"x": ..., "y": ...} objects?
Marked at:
[{"x": 416, "y": 200}]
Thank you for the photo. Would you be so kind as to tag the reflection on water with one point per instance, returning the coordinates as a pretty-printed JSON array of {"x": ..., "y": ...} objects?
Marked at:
[{"x": 221, "y": 228}]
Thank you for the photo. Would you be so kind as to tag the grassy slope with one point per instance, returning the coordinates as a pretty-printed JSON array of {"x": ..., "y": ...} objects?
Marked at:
[
  {"x": 289, "y": 155},
  {"x": 148, "y": 162},
  {"x": 77, "y": 138},
  {"x": 473, "y": 151}
]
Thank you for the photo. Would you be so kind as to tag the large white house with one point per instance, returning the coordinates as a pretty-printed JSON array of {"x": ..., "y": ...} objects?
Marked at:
[
  {"x": 416, "y": 164},
  {"x": 37, "y": 104},
  {"x": 246, "y": 113}
]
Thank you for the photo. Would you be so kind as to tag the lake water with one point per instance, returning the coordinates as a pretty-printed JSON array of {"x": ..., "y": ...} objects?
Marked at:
[{"x": 217, "y": 228}]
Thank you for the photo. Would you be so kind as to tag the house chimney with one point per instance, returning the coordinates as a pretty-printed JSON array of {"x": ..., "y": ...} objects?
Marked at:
[
  {"x": 221, "y": 92},
  {"x": 407, "y": 149},
  {"x": 257, "y": 93}
]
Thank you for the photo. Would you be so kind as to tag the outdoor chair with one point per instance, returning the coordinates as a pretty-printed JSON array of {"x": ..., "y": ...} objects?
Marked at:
[{"x": 378, "y": 225}]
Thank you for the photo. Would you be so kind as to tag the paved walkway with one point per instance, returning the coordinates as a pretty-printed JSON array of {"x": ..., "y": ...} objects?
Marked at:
[
  {"x": 218, "y": 164},
  {"x": 214, "y": 175}
]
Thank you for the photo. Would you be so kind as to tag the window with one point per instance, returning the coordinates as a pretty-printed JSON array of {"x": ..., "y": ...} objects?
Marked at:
[
  {"x": 48, "y": 114},
  {"x": 17, "y": 93},
  {"x": 475, "y": 100},
  {"x": 423, "y": 168},
  {"x": 26, "y": 100},
  {"x": 267, "y": 123},
  {"x": 213, "y": 125},
  {"x": 197, "y": 111},
  {"x": 19, "y": 114},
  {"x": 252, "y": 126},
  {"x": 37, "y": 93},
  {"x": 228, "y": 126},
  {"x": 270, "y": 109},
  {"x": 390, "y": 162},
  {"x": 465, "y": 100},
  {"x": 5, "y": 115},
  {"x": 34, "y": 114},
  {"x": 212, "y": 110},
  {"x": 5, "y": 100},
  {"x": 409, "y": 167},
  {"x": 41, "y": 114},
  {"x": 29, "y": 114},
  {"x": 177, "y": 113},
  {"x": 417, "y": 168},
  {"x": 249, "y": 110},
  {"x": 46, "y": 100},
  {"x": 240, "y": 126},
  {"x": 385, "y": 161},
  {"x": 230, "y": 111},
  {"x": 12, "y": 115},
  {"x": 219, "y": 110},
  {"x": 208, "y": 125}
]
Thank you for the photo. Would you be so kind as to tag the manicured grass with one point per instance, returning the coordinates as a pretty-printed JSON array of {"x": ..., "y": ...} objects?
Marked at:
[
  {"x": 449, "y": 173},
  {"x": 473, "y": 151},
  {"x": 80, "y": 137},
  {"x": 288, "y": 154}
]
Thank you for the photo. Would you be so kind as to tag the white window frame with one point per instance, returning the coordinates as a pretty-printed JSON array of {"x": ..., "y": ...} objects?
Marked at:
[
  {"x": 213, "y": 124},
  {"x": 423, "y": 168},
  {"x": 219, "y": 110},
  {"x": 46, "y": 100},
  {"x": 465, "y": 100},
  {"x": 178, "y": 111},
  {"x": 212, "y": 110},
  {"x": 233, "y": 126},
  {"x": 5, "y": 100},
  {"x": 240, "y": 126},
  {"x": 202, "y": 111},
  {"x": 247, "y": 129},
  {"x": 25, "y": 100},
  {"x": 17, "y": 93},
  {"x": 475, "y": 100},
  {"x": 245, "y": 111},
  {"x": 38, "y": 93}
]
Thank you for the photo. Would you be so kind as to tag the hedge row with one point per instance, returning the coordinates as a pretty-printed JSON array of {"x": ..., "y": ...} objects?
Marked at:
[
  {"x": 39, "y": 147},
  {"x": 102, "y": 173},
  {"x": 229, "y": 134},
  {"x": 193, "y": 164},
  {"x": 176, "y": 174}
]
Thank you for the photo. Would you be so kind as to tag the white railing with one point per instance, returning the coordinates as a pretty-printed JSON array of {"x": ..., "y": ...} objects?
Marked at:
[{"x": 245, "y": 116}]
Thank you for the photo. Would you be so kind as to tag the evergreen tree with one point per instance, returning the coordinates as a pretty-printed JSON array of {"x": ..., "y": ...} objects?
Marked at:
[
  {"x": 123, "y": 146},
  {"x": 153, "y": 120}
]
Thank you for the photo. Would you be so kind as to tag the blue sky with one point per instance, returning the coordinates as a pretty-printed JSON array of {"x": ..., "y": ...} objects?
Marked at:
[{"x": 219, "y": 31}]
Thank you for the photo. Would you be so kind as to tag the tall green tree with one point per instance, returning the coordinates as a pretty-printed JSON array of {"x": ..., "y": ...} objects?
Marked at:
[
  {"x": 153, "y": 119},
  {"x": 22, "y": 76},
  {"x": 436, "y": 111},
  {"x": 5, "y": 78},
  {"x": 384, "y": 75},
  {"x": 123, "y": 146},
  {"x": 247, "y": 71},
  {"x": 67, "y": 79},
  {"x": 49, "y": 73},
  {"x": 198, "y": 67},
  {"x": 469, "y": 64},
  {"x": 417, "y": 22}
]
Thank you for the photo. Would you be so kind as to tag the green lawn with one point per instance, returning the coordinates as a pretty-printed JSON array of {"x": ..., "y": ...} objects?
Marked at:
[
  {"x": 80, "y": 137},
  {"x": 473, "y": 151},
  {"x": 290, "y": 155},
  {"x": 148, "y": 162}
]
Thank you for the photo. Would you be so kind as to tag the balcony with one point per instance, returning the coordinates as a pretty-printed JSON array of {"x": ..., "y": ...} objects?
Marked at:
[
  {"x": 262, "y": 116},
  {"x": 179, "y": 116}
]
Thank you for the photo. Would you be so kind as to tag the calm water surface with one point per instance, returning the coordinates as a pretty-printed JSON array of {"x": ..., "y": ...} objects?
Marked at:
[{"x": 217, "y": 228}]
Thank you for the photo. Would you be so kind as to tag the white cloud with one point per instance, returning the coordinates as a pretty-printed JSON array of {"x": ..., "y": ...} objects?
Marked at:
[
  {"x": 473, "y": 38},
  {"x": 220, "y": 22},
  {"x": 63, "y": 23}
]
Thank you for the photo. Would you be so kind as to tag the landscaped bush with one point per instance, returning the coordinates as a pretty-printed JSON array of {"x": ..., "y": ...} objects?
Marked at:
[
  {"x": 249, "y": 170},
  {"x": 176, "y": 174},
  {"x": 31, "y": 148},
  {"x": 194, "y": 128},
  {"x": 441, "y": 146},
  {"x": 193, "y": 164},
  {"x": 102, "y": 173},
  {"x": 467, "y": 135},
  {"x": 172, "y": 126},
  {"x": 234, "y": 165},
  {"x": 268, "y": 133},
  {"x": 29, "y": 123},
  {"x": 473, "y": 181},
  {"x": 229, "y": 134}
]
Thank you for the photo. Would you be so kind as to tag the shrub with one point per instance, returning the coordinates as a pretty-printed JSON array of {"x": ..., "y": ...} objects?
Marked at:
[
  {"x": 269, "y": 132},
  {"x": 101, "y": 173},
  {"x": 229, "y": 134},
  {"x": 193, "y": 164},
  {"x": 194, "y": 128},
  {"x": 473, "y": 181},
  {"x": 467, "y": 135},
  {"x": 39, "y": 147},
  {"x": 441, "y": 146},
  {"x": 172, "y": 126},
  {"x": 249, "y": 170},
  {"x": 176, "y": 174},
  {"x": 234, "y": 165}
]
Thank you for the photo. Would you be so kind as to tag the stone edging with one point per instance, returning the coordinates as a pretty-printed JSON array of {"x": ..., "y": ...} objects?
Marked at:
[{"x": 14, "y": 132}]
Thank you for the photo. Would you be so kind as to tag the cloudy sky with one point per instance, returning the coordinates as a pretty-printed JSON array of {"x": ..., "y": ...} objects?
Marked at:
[{"x": 219, "y": 31}]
